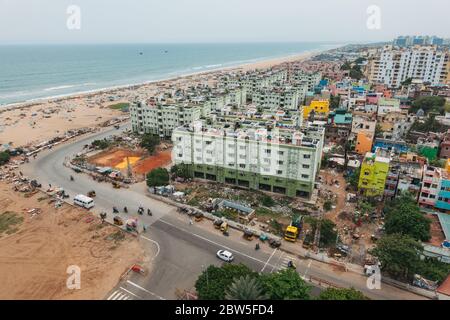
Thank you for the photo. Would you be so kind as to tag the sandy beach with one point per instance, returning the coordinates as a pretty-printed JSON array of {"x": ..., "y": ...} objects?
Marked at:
[{"x": 34, "y": 122}]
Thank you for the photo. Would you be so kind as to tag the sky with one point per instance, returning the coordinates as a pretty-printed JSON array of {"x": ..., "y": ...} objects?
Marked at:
[{"x": 162, "y": 21}]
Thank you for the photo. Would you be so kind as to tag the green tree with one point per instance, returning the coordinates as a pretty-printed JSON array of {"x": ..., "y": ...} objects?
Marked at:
[
  {"x": 327, "y": 205},
  {"x": 285, "y": 284},
  {"x": 245, "y": 288},
  {"x": 353, "y": 179},
  {"x": 399, "y": 255},
  {"x": 157, "y": 177},
  {"x": 335, "y": 101},
  {"x": 214, "y": 281},
  {"x": 378, "y": 131},
  {"x": 403, "y": 216},
  {"x": 341, "y": 294},
  {"x": 428, "y": 104},
  {"x": 4, "y": 157},
  {"x": 101, "y": 144},
  {"x": 181, "y": 171},
  {"x": 267, "y": 201},
  {"x": 149, "y": 142}
]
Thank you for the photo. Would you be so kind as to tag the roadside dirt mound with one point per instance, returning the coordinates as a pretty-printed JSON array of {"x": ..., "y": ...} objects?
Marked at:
[{"x": 35, "y": 257}]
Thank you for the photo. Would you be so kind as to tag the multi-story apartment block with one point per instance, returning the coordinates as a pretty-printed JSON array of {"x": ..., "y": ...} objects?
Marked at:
[
  {"x": 311, "y": 79},
  {"x": 393, "y": 66},
  {"x": 430, "y": 186},
  {"x": 395, "y": 125},
  {"x": 279, "y": 160},
  {"x": 162, "y": 119},
  {"x": 374, "y": 171},
  {"x": 281, "y": 96}
]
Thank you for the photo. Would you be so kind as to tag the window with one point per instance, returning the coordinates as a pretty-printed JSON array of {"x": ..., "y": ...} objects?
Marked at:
[
  {"x": 180, "y": 155},
  {"x": 279, "y": 171},
  {"x": 305, "y": 166},
  {"x": 280, "y": 153},
  {"x": 268, "y": 151},
  {"x": 305, "y": 176},
  {"x": 306, "y": 156},
  {"x": 242, "y": 165},
  {"x": 280, "y": 162}
]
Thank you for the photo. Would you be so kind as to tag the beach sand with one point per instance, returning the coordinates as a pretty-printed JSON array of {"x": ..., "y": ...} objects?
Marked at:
[{"x": 31, "y": 123}]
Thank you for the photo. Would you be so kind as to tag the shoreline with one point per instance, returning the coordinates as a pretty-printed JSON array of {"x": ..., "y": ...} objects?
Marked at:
[
  {"x": 246, "y": 66},
  {"x": 32, "y": 122}
]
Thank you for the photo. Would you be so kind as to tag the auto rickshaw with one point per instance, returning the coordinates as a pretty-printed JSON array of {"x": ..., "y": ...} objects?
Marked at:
[
  {"x": 91, "y": 194},
  {"x": 116, "y": 185},
  {"x": 248, "y": 235},
  {"x": 118, "y": 220},
  {"x": 198, "y": 216},
  {"x": 224, "y": 227},
  {"x": 218, "y": 223}
]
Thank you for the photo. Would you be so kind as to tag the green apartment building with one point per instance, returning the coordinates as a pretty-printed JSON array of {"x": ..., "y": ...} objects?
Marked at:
[{"x": 283, "y": 161}]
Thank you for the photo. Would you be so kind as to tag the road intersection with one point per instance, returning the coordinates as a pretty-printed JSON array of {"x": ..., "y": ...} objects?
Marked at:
[{"x": 178, "y": 251}]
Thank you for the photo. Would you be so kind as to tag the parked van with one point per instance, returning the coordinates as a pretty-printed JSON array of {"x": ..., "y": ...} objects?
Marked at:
[{"x": 83, "y": 201}]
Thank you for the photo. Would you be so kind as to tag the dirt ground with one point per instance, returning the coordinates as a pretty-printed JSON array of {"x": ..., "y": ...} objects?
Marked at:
[
  {"x": 114, "y": 158},
  {"x": 161, "y": 159},
  {"x": 437, "y": 234},
  {"x": 111, "y": 158},
  {"x": 35, "y": 256}
]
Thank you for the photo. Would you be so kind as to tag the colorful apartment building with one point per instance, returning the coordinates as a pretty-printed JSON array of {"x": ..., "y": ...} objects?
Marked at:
[
  {"x": 374, "y": 171},
  {"x": 320, "y": 107},
  {"x": 430, "y": 186}
]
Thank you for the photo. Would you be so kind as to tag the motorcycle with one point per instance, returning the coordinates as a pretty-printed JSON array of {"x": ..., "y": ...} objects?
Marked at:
[
  {"x": 257, "y": 246},
  {"x": 125, "y": 209},
  {"x": 71, "y": 178},
  {"x": 149, "y": 212},
  {"x": 141, "y": 211},
  {"x": 115, "y": 210}
]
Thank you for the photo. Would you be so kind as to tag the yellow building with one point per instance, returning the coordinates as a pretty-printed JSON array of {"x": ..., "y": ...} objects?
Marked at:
[
  {"x": 447, "y": 165},
  {"x": 374, "y": 171},
  {"x": 320, "y": 107}
]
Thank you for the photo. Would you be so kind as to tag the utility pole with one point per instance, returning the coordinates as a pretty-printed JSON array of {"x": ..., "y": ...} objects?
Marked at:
[{"x": 129, "y": 171}]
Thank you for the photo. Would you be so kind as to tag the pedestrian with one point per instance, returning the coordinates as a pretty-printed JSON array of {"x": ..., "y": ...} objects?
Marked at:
[{"x": 144, "y": 228}]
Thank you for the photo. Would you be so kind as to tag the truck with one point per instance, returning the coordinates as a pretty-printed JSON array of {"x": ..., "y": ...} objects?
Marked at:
[{"x": 293, "y": 230}]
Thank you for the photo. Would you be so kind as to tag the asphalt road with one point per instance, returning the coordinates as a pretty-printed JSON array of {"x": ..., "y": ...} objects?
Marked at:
[{"x": 178, "y": 251}]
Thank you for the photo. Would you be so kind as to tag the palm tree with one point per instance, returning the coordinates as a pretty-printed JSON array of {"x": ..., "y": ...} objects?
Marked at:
[{"x": 245, "y": 288}]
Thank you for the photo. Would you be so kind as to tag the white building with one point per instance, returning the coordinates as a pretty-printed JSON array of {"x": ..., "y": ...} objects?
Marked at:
[
  {"x": 393, "y": 66},
  {"x": 161, "y": 119}
]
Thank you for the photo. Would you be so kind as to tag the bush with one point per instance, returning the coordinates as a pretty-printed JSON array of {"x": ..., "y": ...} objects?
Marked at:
[
  {"x": 267, "y": 201},
  {"x": 158, "y": 177},
  {"x": 149, "y": 142},
  {"x": 101, "y": 144},
  {"x": 4, "y": 157}
]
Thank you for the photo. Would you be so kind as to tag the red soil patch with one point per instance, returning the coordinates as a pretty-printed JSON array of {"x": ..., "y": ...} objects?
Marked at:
[
  {"x": 161, "y": 159},
  {"x": 112, "y": 158}
]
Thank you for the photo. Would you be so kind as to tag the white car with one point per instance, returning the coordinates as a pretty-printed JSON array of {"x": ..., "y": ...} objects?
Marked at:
[{"x": 224, "y": 255}]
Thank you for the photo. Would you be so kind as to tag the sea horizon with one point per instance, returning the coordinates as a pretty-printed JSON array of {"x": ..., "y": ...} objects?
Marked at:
[{"x": 34, "y": 72}]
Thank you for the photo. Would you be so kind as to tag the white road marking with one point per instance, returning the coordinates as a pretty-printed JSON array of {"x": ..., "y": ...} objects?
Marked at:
[
  {"x": 309, "y": 265},
  {"x": 131, "y": 293},
  {"x": 278, "y": 262},
  {"x": 117, "y": 295},
  {"x": 145, "y": 290},
  {"x": 217, "y": 244},
  {"x": 275, "y": 250},
  {"x": 157, "y": 246}
]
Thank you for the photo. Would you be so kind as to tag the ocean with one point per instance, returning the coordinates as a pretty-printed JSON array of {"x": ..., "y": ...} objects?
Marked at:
[{"x": 29, "y": 72}]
